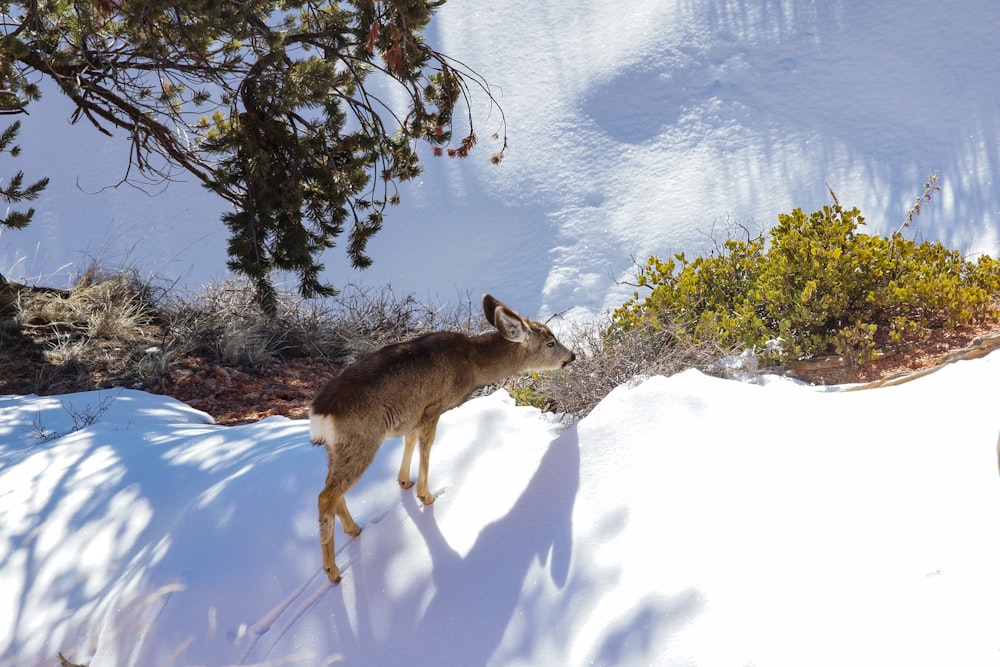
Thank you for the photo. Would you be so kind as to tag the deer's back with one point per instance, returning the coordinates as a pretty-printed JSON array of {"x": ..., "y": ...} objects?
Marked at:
[{"x": 402, "y": 381}]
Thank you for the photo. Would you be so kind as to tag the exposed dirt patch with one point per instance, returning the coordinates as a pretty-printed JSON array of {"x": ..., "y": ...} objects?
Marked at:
[
  {"x": 241, "y": 395},
  {"x": 930, "y": 352},
  {"x": 231, "y": 394}
]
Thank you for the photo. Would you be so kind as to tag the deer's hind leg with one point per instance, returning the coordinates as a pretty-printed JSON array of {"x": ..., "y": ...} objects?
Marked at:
[
  {"x": 346, "y": 520},
  {"x": 329, "y": 504},
  {"x": 344, "y": 472}
]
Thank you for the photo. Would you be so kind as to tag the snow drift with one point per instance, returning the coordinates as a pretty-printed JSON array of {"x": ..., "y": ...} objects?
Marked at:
[{"x": 686, "y": 520}]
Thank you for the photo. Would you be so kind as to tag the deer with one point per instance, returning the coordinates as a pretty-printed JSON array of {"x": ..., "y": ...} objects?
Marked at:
[{"x": 401, "y": 390}]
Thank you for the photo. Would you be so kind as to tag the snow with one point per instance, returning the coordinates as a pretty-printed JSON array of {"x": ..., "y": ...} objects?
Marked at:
[
  {"x": 686, "y": 520},
  {"x": 631, "y": 133}
]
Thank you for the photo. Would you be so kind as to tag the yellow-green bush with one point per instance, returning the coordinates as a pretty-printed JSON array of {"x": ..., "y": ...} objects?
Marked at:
[{"x": 816, "y": 286}]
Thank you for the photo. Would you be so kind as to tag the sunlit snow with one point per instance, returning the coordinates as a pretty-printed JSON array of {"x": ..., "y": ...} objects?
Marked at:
[{"x": 686, "y": 520}]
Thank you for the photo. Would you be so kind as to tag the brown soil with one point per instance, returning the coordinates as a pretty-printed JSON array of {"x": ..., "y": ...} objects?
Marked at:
[
  {"x": 232, "y": 395},
  {"x": 933, "y": 350},
  {"x": 241, "y": 395}
]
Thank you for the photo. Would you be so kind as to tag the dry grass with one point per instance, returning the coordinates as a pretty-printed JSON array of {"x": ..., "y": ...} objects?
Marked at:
[
  {"x": 365, "y": 319},
  {"x": 225, "y": 323},
  {"x": 606, "y": 360},
  {"x": 65, "y": 336},
  {"x": 115, "y": 330}
]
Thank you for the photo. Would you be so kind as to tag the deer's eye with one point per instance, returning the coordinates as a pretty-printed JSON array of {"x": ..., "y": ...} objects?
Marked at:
[{"x": 551, "y": 343}]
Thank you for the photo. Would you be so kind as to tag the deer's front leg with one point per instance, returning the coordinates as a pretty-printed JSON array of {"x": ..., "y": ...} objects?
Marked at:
[
  {"x": 427, "y": 431},
  {"x": 404, "y": 469}
]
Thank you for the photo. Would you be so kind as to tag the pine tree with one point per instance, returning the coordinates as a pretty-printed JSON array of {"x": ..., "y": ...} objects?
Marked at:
[
  {"x": 268, "y": 103},
  {"x": 14, "y": 191}
]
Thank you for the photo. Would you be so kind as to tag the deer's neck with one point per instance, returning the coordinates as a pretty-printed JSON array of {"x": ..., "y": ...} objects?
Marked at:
[{"x": 496, "y": 358}]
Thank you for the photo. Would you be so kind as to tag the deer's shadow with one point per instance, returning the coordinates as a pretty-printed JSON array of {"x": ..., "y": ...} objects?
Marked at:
[{"x": 475, "y": 595}]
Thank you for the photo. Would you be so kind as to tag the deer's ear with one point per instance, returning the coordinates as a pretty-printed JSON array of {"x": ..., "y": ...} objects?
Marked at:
[
  {"x": 490, "y": 306},
  {"x": 510, "y": 325},
  {"x": 505, "y": 319}
]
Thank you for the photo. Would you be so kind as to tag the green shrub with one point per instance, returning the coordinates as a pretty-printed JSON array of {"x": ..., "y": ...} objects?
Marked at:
[
  {"x": 534, "y": 390},
  {"x": 815, "y": 286}
]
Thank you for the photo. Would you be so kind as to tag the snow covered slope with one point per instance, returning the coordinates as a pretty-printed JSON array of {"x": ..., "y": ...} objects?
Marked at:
[
  {"x": 631, "y": 132},
  {"x": 686, "y": 520}
]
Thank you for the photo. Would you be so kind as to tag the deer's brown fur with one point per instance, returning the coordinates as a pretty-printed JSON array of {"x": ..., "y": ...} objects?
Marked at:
[{"x": 402, "y": 390}]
